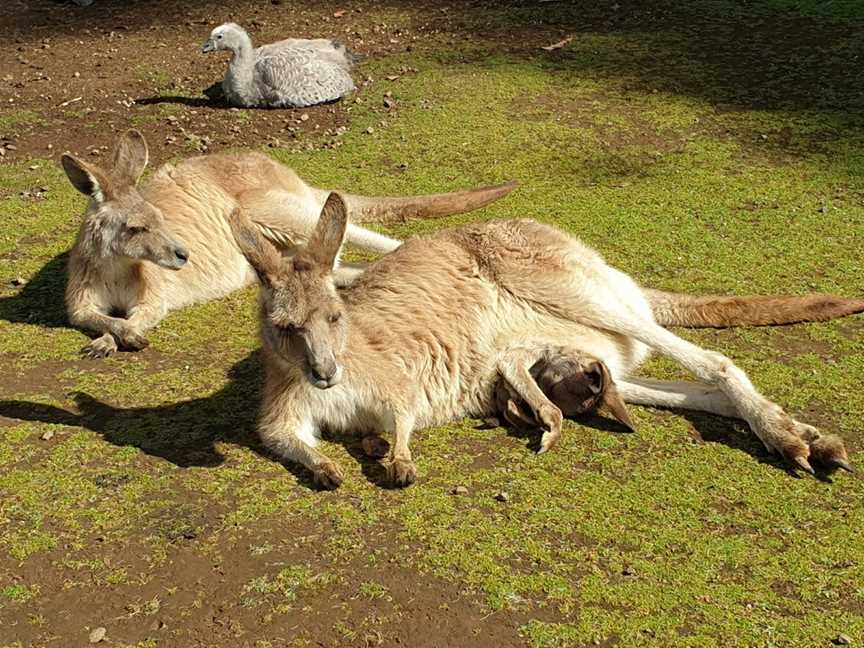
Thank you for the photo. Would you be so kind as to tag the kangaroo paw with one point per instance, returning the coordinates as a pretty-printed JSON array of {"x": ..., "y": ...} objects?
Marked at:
[
  {"x": 374, "y": 446},
  {"x": 101, "y": 347},
  {"x": 826, "y": 450},
  {"x": 402, "y": 472},
  {"x": 552, "y": 421},
  {"x": 134, "y": 342},
  {"x": 327, "y": 475}
]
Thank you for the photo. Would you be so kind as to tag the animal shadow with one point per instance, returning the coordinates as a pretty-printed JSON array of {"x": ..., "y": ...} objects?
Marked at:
[
  {"x": 186, "y": 433},
  {"x": 40, "y": 300}
]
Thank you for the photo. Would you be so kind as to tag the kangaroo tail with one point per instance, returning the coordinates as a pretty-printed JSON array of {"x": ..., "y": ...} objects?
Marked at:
[
  {"x": 713, "y": 311},
  {"x": 380, "y": 209}
]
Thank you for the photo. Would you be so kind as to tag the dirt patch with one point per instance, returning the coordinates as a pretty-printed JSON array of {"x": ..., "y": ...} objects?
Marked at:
[
  {"x": 127, "y": 68},
  {"x": 238, "y": 593}
]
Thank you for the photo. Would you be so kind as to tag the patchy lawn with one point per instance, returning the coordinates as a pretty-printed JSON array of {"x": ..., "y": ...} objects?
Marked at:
[{"x": 711, "y": 146}]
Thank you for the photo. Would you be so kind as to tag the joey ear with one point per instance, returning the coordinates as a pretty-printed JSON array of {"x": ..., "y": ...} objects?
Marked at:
[
  {"x": 259, "y": 252},
  {"x": 130, "y": 157},
  {"x": 329, "y": 234},
  {"x": 89, "y": 179},
  {"x": 611, "y": 398}
]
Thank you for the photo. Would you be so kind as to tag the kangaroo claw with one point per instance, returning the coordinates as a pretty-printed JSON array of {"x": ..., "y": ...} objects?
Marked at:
[
  {"x": 843, "y": 465},
  {"x": 804, "y": 465}
]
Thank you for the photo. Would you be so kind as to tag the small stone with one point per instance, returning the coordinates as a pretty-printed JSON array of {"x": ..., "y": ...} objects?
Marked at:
[
  {"x": 370, "y": 130},
  {"x": 388, "y": 103},
  {"x": 11, "y": 147},
  {"x": 47, "y": 436},
  {"x": 304, "y": 117},
  {"x": 628, "y": 571},
  {"x": 97, "y": 635},
  {"x": 76, "y": 75},
  {"x": 33, "y": 167},
  {"x": 502, "y": 496},
  {"x": 843, "y": 640},
  {"x": 459, "y": 490},
  {"x": 18, "y": 281}
]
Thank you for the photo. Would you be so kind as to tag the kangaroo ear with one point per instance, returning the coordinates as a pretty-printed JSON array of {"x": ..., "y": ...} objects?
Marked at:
[
  {"x": 326, "y": 240},
  {"x": 611, "y": 398},
  {"x": 130, "y": 157},
  {"x": 259, "y": 252},
  {"x": 89, "y": 179}
]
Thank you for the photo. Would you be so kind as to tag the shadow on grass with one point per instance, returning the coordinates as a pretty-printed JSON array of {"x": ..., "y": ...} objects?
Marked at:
[
  {"x": 186, "y": 433},
  {"x": 40, "y": 301},
  {"x": 708, "y": 427}
]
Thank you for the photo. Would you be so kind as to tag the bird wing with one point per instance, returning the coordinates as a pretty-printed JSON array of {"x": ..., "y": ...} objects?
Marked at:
[
  {"x": 298, "y": 76},
  {"x": 324, "y": 48}
]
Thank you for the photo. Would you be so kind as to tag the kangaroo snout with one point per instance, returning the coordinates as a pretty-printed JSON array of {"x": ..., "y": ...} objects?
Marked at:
[{"x": 323, "y": 374}]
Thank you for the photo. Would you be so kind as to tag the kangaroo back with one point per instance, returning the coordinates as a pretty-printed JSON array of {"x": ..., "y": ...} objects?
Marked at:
[{"x": 713, "y": 311}]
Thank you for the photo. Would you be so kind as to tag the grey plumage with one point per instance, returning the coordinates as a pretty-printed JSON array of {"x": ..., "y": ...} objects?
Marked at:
[{"x": 291, "y": 73}]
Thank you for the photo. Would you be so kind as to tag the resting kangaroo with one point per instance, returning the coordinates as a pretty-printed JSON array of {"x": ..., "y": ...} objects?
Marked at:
[
  {"x": 424, "y": 334},
  {"x": 123, "y": 268}
]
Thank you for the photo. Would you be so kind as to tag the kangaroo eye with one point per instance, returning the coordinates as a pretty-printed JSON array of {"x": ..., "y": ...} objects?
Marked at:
[
  {"x": 335, "y": 317},
  {"x": 290, "y": 329},
  {"x": 136, "y": 229}
]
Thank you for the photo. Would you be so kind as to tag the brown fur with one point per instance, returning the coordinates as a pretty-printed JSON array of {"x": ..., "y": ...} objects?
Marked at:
[{"x": 709, "y": 311}]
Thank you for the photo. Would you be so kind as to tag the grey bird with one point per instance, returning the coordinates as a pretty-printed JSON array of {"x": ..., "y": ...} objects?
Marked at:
[{"x": 291, "y": 73}]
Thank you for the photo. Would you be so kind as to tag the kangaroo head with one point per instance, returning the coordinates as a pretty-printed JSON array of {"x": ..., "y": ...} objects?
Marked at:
[
  {"x": 119, "y": 223},
  {"x": 303, "y": 317},
  {"x": 578, "y": 385}
]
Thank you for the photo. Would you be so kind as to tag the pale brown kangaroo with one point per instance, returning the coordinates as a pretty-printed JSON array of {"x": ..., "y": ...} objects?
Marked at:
[
  {"x": 144, "y": 251},
  {"x": 424, "y": 335}
]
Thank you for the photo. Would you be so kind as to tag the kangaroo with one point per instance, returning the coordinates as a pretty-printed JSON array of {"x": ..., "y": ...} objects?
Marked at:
[
  {"x": 425, "y": 333},
  {"x": 123, "y": 268}
]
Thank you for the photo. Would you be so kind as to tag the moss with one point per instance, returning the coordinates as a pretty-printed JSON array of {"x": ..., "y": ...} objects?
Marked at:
[{"x": 10, "y": 119}]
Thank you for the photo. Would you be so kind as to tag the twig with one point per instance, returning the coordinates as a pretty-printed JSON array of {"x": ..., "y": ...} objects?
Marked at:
[
  {"x": 557, "y": 45},
  {"x": 71, "y": 101}
]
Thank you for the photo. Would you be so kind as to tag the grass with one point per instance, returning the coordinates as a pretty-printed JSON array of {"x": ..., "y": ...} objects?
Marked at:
[
  {"x": 10, "y": 119},
  {"x": 154, "y": 490}
]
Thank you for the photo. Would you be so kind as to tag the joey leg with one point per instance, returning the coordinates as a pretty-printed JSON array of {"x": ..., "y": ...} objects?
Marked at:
[{"x": 515, "y": 369}]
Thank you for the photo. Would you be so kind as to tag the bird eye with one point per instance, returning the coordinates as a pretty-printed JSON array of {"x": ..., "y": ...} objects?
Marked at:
[{"x": 219, "y": 36}]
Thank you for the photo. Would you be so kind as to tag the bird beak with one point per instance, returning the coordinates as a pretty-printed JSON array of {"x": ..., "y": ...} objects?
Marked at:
[{"x": 209, "y": 46}]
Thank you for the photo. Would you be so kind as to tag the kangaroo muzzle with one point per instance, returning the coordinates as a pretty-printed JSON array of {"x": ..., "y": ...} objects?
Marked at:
[{"x": 322, "y": 370}]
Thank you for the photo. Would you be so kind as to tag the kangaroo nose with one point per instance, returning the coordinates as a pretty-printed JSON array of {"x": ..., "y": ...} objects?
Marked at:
[
  {"x": 324, "y": 376},
  {"x": 182, "y": 254},
  {"x": 318, "y": 375}
]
